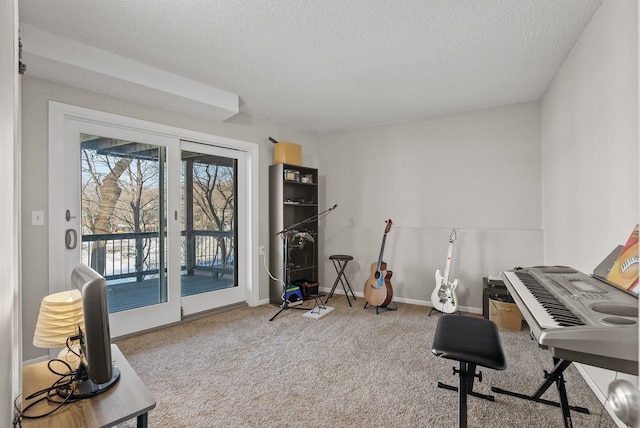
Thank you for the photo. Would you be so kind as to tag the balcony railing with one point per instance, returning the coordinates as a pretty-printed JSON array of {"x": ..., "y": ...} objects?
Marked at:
[{"x": 137, "y": 254}]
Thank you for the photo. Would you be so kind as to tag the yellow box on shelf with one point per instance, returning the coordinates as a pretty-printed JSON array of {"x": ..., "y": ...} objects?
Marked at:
[{"x": 289, "y": 153}]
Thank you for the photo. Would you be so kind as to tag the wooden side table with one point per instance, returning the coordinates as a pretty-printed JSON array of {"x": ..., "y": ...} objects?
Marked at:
[{"x": 127, "y": 399}]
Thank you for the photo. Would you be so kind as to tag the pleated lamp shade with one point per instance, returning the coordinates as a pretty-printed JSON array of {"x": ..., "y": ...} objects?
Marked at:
[{"x": 60, "y": 316}]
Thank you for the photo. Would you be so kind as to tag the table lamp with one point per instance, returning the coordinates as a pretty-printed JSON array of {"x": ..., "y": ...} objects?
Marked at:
[{"x": 60, "y": 317}]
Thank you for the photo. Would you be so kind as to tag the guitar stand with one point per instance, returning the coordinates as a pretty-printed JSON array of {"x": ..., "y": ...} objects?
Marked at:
[
  {"x": 444, "y": 313},
  {"x": 386, "y": 308},
  {"x": 554, "y": 377}
]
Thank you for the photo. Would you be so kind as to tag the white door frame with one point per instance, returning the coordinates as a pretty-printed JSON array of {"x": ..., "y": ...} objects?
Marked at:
[{"x": 60, "y": 113}]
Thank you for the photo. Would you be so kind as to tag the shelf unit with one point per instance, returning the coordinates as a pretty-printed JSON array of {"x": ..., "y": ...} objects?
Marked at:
[{"x": 293, "y": 198}]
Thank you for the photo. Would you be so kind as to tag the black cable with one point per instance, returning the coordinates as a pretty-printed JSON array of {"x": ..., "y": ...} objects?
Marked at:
[
  {"x": 70, "y": 371},
  {"x": 64, "y": 381},
  {"x": 70, "y": 347}
]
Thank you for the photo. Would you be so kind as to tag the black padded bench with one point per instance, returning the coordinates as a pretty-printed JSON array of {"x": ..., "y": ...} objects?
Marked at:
[{"x": 473, "y": 342}]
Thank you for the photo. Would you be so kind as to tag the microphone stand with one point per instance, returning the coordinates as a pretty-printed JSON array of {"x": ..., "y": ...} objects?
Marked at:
[{"x": 286, "y": 235}]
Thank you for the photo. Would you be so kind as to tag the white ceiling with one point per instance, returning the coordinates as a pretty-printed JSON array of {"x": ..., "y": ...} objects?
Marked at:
[{"x": 330, "y": 65}]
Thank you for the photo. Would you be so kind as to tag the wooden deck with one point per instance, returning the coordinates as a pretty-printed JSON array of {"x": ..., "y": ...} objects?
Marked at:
[{"x": 131, "y": 295}]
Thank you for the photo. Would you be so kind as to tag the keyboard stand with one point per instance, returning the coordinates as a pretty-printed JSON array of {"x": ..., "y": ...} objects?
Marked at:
[{"x": 554, "y": 377}]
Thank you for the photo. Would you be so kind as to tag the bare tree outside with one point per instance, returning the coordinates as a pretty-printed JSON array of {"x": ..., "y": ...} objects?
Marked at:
[
  {"x": 102, "y": 192},
  {"x": 121, "y": 220},
  {"x": 209, "y": 213},
  {"x": 119, "y": 195},
  {"x": 124, "y": 216},
  {"x": 138, "y": 208},
  {"x": 214, "y": 195}
]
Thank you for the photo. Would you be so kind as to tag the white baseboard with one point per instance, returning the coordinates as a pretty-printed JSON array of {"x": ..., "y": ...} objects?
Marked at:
[
  {"x": 35, "y": 360},
  {"x": 467, "y": 309}
]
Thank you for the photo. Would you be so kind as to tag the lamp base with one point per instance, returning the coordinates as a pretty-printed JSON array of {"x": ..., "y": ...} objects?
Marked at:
[{"x": 71, "y": 356}]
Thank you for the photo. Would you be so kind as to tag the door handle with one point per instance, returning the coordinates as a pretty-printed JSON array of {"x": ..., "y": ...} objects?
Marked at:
[{"x": 70, "y": 239}]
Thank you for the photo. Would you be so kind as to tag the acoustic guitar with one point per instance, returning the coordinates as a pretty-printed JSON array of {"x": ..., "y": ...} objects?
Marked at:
[
  {"x": 444, "y": 297},
  {"x": 377, "y": 289}
]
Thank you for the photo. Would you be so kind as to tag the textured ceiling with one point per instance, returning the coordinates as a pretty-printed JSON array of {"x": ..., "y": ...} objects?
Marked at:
[{"x": 329, "y": 65}]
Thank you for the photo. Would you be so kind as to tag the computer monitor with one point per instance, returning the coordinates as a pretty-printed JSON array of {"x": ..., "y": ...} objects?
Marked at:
[{"x": 96, "y": 372}]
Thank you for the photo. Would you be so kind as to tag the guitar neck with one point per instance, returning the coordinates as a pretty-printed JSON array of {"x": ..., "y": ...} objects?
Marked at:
[
  {"x": 447, "y": 266},
  {"x": 379, "y": 266}
]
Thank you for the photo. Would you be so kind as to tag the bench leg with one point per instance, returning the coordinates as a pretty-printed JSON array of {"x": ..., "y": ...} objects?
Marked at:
[
  {"x": 462, "y": 394},
  {"x": 467, "y": 373},
  {"x": 343, "y": 276},
  {"x": 335, "y": 284}
]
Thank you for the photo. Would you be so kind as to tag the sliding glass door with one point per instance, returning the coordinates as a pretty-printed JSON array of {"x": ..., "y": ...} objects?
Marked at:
[
  {"x": 164, "y": 220},
  {"x": 118, "y": 196}
]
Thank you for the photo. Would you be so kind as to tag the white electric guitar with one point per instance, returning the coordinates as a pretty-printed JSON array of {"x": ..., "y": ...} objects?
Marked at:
[{"x": 444, "y": 297}]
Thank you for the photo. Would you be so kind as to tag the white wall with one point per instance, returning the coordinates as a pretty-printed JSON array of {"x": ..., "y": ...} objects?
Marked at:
[
  {"x": 10, "y": 351},
  {"x": 479, "y": 171},
  {"x": 590, "y": 147},
  {"x": 590, "y": 142},
  {"x": 35, "y": 96}
]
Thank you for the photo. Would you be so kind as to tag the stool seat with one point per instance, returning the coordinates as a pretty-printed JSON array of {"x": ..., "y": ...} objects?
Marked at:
[
  {"x": 469, "y": 339},
  {"x": 340, "y": 257}
]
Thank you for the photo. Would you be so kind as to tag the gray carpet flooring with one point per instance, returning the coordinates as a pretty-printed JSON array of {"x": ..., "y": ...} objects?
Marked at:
[{"x": 350, "y": 368}]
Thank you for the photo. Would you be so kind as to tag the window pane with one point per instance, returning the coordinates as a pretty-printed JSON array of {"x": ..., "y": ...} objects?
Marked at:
[
  {"x": 123, "y": 214},
  {"x": 208, "y": 223}
]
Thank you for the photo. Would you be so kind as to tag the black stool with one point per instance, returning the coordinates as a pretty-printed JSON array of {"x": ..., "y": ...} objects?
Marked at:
[
  {"x": 473, "y": 342},
  {"x": 340, "y": 263}
]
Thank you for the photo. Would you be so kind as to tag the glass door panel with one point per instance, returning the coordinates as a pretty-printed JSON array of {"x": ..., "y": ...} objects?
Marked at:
[
  {"x": 209, "y": 219},
  {"x": 123, "y": 191},
  {"x": 209, "y": 194},
  {"x": 120, "y": 186}
]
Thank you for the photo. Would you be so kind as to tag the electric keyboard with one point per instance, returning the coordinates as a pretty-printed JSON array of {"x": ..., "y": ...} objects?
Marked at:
[{"x": 578, "y": 317}]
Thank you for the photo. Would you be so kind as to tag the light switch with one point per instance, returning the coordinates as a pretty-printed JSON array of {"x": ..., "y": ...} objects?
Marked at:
[{"x": 37, "y": 218}]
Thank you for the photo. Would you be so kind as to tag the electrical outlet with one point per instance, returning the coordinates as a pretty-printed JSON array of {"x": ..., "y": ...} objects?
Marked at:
[
  {"x": 262, "y": 250},
  {"x": 37, "y": 218}
]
